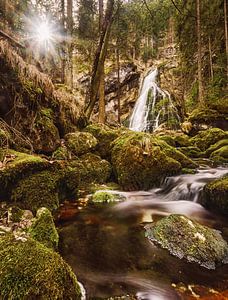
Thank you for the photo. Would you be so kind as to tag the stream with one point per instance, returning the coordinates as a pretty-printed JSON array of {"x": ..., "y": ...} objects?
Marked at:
[{"x": 105, "y": 244}]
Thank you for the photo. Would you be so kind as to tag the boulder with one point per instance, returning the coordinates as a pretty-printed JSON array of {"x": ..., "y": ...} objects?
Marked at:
[
  {"x": 43, "y": 229},
  {"x": 204, "y": 139},
  {"x": 80, "y": 143},
  {"x": 215, "y": 195},
  {"x": 106, "y": 197},
  {"x": 188, "y": 239},
  {"x": 220, "y": 155},
  {"x": 29, "y": 270},
  {"x": 139, "y": 161}
]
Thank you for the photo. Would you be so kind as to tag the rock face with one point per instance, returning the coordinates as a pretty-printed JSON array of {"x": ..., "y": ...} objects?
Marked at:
[
  {"x": 29, "y": 270},
  {"x": 215, "y": 195},
  {"x": 187, "y": 239},
  {"x": 140, "y": 160}
]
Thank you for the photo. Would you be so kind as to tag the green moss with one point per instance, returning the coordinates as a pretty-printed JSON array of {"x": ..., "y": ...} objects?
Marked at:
[
  {"x": 204, "y": 139},
  {"x": 140, "y": 162},
  {"x": 37, "y": 190},
  {"x": 29, "y": 270},
  {"x": 104, "y": 197},
  {"x": 19, "y": 166},
  {"x": 191, "y": 151},
  {"x": 80, "y": 143},
  {"x": 168, "y": 139},
  {"x": 215, "y": 195},
  {"x": 182, "y": 140},
  {"x": 43, "y": 229},
  {"x": 15, "y": 214},
  {"x": 205, "y": 115},
  {"x": 61, "y": 153},
  {"x": 220, "y": 155},
  {"x": 188, "y": 171},
  {"x": 105, "y": 136},
  {"x": 187, "y": 239},
  {"x": 216, "y": 146}
]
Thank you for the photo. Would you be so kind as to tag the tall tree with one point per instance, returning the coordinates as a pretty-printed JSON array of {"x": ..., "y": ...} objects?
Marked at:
[
  {"x": 226, "y": 35},
  {"x": 199, "y": 54},
  {"x": 70, "y": 44},
  {"x": 100, "y": 58}
]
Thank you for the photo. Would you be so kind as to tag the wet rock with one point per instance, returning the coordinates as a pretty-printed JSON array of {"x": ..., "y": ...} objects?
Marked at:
[
  {"x": 220, "y": 155},
  {"x": 215, "y": 195},
  {"x": 43, "y": 229},
  {"x": 80, "y": 143},
  {"x": 187, "y": 239},
  {"x": 204, "y": 139},
  {"x": 106, "y": 197},
  {"x": 139, "y": 161},
  {"x": 29, "y": 270},
  {"x": 191, "y": 151}
]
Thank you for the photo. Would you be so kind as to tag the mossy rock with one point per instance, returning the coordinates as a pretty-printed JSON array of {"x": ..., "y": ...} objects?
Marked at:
[
  {"x": 29, "y": 270},
  {"x": 4, "y": 138},
  {"x": 182, "y": 140},
  {"x": 216, "y": 146},
  {"x": 80, "y": 143},
  {"x": 43, "y": 229},
  {"x": 61, "y": 153},
  {"x": 45, "y": 135},
  {"x": 19, "y": 166},
  {"x": 220, "y": 155},
  {"x": 106, "y": 197},
  {"x": 191, "y": 151},
  {"x": 204, "y": 139},
  {"x": 215, "y": 195},
  {"x": 37, "y": 190},
  {"x": 168, "y": 139},
  {"x": 105, "y": 136},
  {"x": 188, "y": 239},
  {"x": 205, "y": 115},
  {"x": 139, "y": 161},
  {"x": 92, "y": 169}
]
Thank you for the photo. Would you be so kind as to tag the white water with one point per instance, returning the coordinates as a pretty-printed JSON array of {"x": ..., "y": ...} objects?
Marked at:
[{"x": 144, "y": 116}]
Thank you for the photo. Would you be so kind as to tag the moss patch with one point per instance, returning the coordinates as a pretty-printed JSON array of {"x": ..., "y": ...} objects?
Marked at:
[
  {"x": 29, "y": 270},
  {"x": 80, "y": 143},
  {"x": 43, "y": 229},
  {"x": 187, "y": 239}
]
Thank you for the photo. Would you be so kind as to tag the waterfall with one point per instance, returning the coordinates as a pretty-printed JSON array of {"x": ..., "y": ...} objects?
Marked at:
[{"x": 153, "y": 107}]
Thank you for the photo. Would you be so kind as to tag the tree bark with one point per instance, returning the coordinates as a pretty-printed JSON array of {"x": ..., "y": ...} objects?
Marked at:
[
  {"x": 63, "y": 61},
  {"x": 199, "y": 55},
  {"x": 100, "y": 58},
  {"x": 226, "y": 35},
  {"x": 210, "y": 58},
  {"x": 70, "y": 44}
]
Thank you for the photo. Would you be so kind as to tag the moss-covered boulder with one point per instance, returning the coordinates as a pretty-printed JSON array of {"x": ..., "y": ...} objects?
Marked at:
[
  {"x": 191, "y": 151},
  {"x": 105, "y": 136},
  {"x": 204, "y": 139},
  {"x": 187, "y": 239},
  {"x": 17, "y": 166},
  {"x": 220, "y": 155},
  {"x": 139, "y": 161},
  {"x": 216, "y": 146},
  {"x": 168, "y": 139},
  {"x": 80, "y": 143},
  {"x": 92, "y": 169},
  {"x": 61, "y": 153},
  {"x": 204, "y": 116},
  {"x": 215, "y": 195},
  {"x": 45, "y": 133},
  {"x": 43, "y": 229},
  {"x": 106, "y": 197},
  {"x": 37, "y": 190},
  {"x": 29, "y": 270}
]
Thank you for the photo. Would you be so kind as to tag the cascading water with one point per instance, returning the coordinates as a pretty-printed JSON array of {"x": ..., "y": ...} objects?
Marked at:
[{"x": 153, "y": 107}]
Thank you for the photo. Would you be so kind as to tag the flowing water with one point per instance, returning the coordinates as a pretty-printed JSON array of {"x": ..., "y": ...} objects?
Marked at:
[
  {"x": 153, "y": 107},
  {"x": 106, "y": 246}
]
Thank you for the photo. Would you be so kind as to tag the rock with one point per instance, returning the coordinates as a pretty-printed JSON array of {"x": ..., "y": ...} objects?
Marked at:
[
  {"x": 43, "y": 229},
  {"x": 186, "y": 127},
  {"x": 45, "y": 134},
  {"x": 61, "y": 153},
  {"x": 106, "y": 197},
  {"x": 80, "y": 143},
  {"x": 92, "y": 169},
  {"x": 204, "y": 139},
  {"x": 139, "y": 161},
  {"x": 191, "y": 151},
  {"x": 220, "y": 155},
  {"x": 188, "y": 239},
  {"x": 105, "y": 136},
  {"x": 216, "y": 146},
  {"x": 215, "y": 195},
  {"x": 16, "y": 166},
  {"x": 29, "y": 270}
]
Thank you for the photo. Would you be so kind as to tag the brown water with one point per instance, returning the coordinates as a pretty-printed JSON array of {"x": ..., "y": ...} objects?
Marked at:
[{"x": 105, "y": 244}]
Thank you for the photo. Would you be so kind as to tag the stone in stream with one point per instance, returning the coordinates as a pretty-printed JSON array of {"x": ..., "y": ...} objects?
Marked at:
[
  {"x": 215, "y": 195},
  {"x": 188, "y": 239}
]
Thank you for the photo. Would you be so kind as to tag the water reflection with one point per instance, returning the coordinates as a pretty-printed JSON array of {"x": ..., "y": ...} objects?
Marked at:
[{"x": 107, "y": 248}]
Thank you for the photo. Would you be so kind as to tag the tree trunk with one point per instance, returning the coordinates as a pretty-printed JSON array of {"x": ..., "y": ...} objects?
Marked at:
[
  {"x": 70, "y": 44},
  {"x": 63, "y": 61},
  {"x": 100, "y": 58},
  {"x": 199, "y": 54},
  {"x": 210, "y": 58},
  {"x": 226, "y": 35}
]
